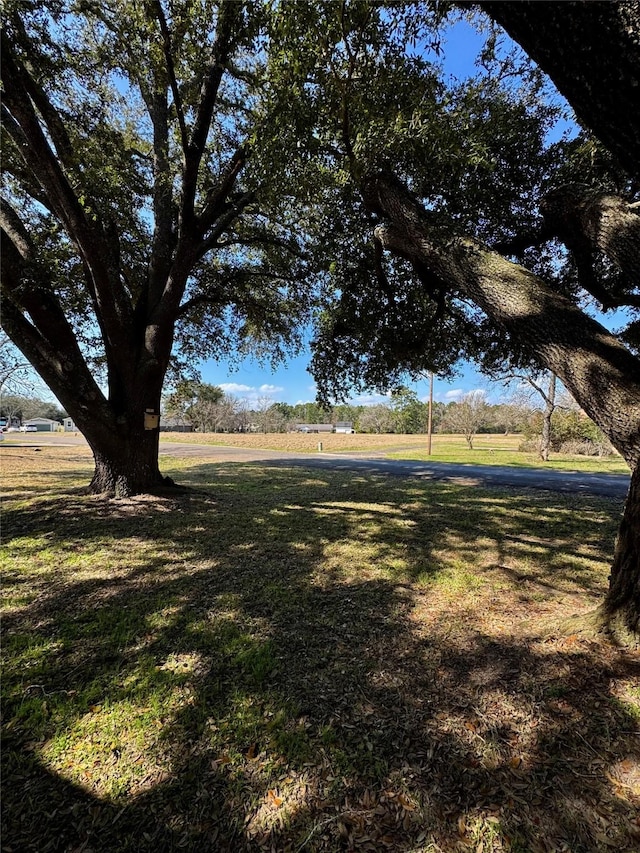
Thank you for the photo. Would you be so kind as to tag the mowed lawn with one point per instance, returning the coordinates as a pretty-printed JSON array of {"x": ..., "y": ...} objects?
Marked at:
[
  {"x": 487, "y": 449},
  {"x": 290, "y": 660}
]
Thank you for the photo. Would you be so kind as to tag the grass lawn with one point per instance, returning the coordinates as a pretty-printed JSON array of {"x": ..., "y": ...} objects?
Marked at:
[
  {"x": 488, "y": 449},
  {"x": 289, "y": 660}
]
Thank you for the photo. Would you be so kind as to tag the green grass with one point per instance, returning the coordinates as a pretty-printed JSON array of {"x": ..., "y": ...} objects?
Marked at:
[
  {"x": 488, "y": 449},
  {"x": 490, "y": 452},
  {"x": 282, "y": 659}
]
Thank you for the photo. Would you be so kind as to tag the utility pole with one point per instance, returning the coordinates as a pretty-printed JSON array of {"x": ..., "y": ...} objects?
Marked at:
[{"x": 430, "y": 418}]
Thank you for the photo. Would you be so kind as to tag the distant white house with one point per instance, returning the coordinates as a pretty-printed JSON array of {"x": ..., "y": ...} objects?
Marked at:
[
  {"x": 69, "y": 425},
  {"x": 314, "y": 427},
  {"x": 43, "y": 424},
  {"x": 340, "y": 426}
]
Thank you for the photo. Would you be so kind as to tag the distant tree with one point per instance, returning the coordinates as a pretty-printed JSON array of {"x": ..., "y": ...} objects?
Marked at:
[
  {"x": 574, "y": 432},
  {"x": 200, "y": 404},
  {"x": 544, "y": 384},
  {"x": 266, "y": 414},
  {"x": 278, "y": 421},
  {"x": 243, "y": 414},
  {"x": 466, "y": 416},
  {"x": 24, "y": 407},
  {"x": 286, "y": 410},
  {"x": 312, "y": 413},
  {"x": 514, "y": 413},
  {"x": 216, "y": 416},
  {"x": 347, "y": 412},
  {"x": 17, "y": 376},
  {"x": 378, "y": 418},
  {"x": 408, "y": 412}
]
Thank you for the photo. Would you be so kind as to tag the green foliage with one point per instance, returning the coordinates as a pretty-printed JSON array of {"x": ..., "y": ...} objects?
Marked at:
[
  {"x": 410, "y": 414},
  {"x": 573, "y": 426},
  {"x": 204, "y": 407},
  {"x": 311, "y": 98},
  {"x": 375, "y": 85},
  {"x": 125, "y": 84}
]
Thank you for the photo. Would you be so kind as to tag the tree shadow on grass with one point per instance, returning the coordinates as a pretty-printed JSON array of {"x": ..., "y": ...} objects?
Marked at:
[{"x": 292, "y": 663}]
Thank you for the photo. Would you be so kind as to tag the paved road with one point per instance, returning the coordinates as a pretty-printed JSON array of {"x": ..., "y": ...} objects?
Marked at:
[{"x": 608, "y": 485}]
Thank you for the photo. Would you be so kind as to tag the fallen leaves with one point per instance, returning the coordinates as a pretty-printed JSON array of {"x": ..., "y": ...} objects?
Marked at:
[{"x": 274, "y": 799}]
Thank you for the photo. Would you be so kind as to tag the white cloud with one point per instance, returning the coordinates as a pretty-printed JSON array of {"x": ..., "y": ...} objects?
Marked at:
[
  {"x": 235, "y": 388},
  {"x": 251, "y": 393},
  {"x": 370, "y": 399},
  {"x": 454, "y": 394}
]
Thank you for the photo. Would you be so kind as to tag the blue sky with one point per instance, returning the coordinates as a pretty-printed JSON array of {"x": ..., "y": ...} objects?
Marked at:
[{"x": 291, "y": 383}]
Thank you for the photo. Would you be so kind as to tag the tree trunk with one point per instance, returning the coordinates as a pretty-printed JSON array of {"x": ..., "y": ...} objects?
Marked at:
[
  {"x": 128, "y": 466},
  {"x": 125, "y": 446},
  {"x": 623, "y": 598}
]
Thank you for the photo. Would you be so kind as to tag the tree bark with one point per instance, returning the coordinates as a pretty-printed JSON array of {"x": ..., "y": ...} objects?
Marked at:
[
  {"x": 591, "y": 223},
  {"x": 601, "y": 374},
  {"x": 591, "y": 51},
  {"x": 623, "y": 598},
  {"x": 128, "y": 468}
]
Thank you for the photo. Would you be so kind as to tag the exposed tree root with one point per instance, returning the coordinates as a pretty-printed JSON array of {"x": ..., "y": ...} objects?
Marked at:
[{"x": 596, "y": 624}]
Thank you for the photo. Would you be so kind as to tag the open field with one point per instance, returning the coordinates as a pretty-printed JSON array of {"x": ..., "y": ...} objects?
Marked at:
[
  {"x": 488, "y": 449},
  {"x": 289, "y": 660}
]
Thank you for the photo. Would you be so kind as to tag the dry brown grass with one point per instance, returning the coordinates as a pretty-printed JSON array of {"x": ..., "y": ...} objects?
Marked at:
[{"x": 304, "y": 443}]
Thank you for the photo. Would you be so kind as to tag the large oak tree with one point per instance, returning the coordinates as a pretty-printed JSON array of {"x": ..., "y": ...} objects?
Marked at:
[{"x": 139, "y": 215}]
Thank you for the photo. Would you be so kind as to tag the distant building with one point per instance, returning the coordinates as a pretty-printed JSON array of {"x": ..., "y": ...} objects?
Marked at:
[
  {"x": 43, "y": 424},
  {"x": 314, "y": 427},
  {"x": 340, "y": 426},
  {"x": 171, "y": 424},
  {"x": 9, "y": 423},
  {"x": 69, "y": 425}
]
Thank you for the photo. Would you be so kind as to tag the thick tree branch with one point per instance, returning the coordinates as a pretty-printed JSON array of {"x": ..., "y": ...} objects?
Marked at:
[
  {"x": 601, "y": 374},
  {"x": 12, "y": 226},
  {"x": 48, "y": 341},
  {"x": 55, "y": 126},
  {"x": 164, "y": 231},
  {"x": 520, "y": 242},
  {"x": 597, "y": 67},
  {"x": 171, "y": 72},
  {"x": 99, "y": 254},
  {"x": 589, "y": 223},
  {"x": 228, "y": 14},
  {"x": 225, "y": 220},
  {"x": 218, "y": 195}
]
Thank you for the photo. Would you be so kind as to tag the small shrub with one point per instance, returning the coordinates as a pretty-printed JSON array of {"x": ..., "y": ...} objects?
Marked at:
[{"x": 587, "y": 448}]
